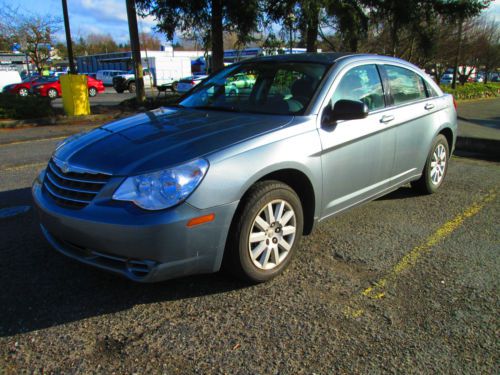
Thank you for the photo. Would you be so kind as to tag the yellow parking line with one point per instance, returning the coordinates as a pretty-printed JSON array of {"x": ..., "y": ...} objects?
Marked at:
[
  {"x": 377, "y": 290},
  {"x": 23, "y": 166},
  {"x": 34, "y": 140}
]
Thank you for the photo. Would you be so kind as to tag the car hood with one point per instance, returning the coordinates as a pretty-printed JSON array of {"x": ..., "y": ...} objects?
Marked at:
[{"x": 165, "y": 137}]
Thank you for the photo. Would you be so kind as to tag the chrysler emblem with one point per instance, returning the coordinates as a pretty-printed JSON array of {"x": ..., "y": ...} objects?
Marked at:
[{"x": 65, "y": 167}]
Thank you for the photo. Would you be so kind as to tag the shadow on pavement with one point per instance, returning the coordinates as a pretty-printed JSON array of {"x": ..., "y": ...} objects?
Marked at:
[
  {"x": 402, "y": 193},
  {"x": 493, "y": 122},
  {"x": 41, "y": 288}
]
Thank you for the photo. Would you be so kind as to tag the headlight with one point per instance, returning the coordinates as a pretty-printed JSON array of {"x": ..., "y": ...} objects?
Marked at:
[{"x": 162, "y": 189}]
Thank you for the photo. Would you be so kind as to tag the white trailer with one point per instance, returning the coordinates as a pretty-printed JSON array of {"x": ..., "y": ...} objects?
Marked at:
[{"x": 166, "y": 69}]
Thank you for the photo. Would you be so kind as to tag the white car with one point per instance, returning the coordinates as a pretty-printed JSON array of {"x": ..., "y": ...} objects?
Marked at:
[{"x": 187, "y": 83}]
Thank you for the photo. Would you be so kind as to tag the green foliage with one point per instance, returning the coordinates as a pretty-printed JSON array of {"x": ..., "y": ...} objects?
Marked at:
[
  {"x": 29, "y": 107},
  {"x": 474, "y": 91}
]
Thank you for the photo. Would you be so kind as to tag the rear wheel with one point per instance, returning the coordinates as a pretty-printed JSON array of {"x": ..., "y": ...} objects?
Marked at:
[
  {"x": 23, "y": 91},
  {"x": 435, "y": 168},
  {"x": 131, "y": 87},
  {"x": 265, "y": 233},
  {"x": 52, "y": 93},
  {"x": 92, "y": 92}
]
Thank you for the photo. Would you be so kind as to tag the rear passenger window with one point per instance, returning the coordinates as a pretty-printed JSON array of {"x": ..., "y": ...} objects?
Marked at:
[
  {"x": 406, "y": 86},
  {"x": 361, "y": 83},
  {"x": 430, "y": 91}
]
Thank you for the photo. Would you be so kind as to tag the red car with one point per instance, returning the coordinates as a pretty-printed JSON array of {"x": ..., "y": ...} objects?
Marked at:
[
  {"x": 24, "y": 88},
  {"x": 52, "y": 88}
]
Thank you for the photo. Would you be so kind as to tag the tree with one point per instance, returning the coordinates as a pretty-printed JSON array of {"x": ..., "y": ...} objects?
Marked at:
[
  {"x": 149, "y": 42},
  {"x": 487, "y": 45},
  {"x": 210, "y": 18},
  {"x": 35, "y": 33},
  {"x": 460, "y": 10}
]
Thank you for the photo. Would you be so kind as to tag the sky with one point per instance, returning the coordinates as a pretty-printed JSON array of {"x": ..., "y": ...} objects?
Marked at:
[{"x": 110, "y": 16}]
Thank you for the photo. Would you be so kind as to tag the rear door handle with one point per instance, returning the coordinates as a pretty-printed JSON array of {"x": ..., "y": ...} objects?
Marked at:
[
  {"x": 387, "y": 118},
  {"x": 429, "y": 106}
]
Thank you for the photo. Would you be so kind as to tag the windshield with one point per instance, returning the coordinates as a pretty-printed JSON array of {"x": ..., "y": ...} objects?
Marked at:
[{"x": 270, "y": 87}]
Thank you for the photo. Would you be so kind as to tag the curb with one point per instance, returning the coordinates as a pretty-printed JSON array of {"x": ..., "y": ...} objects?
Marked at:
[{"x": 487, "y": 147}]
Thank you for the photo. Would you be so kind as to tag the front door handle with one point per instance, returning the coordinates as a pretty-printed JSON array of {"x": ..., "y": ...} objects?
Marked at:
[
  {"x": 387, "y": 118},
  {"x": 429, "y": 106}
]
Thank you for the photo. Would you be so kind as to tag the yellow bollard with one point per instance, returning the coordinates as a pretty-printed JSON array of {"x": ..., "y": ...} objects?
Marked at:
[{"x": 75, "y": 94}]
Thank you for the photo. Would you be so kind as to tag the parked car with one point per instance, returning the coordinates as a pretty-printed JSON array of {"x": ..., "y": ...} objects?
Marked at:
[
  {"x": 52, "y": 87},
  {"x": 106, "y": 76},
  {"x": 446, "y": 79},
  {"x": 187, "y": 83},
  {"x": 235, "y": 181},
  {"x": 122, "y": 82},
  {"x": 25, "y": 87},
  {"x": 9, "y": 77}
]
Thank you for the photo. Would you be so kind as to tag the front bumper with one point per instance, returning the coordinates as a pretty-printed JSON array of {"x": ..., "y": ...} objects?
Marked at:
[{"x": 142, "y": 246}]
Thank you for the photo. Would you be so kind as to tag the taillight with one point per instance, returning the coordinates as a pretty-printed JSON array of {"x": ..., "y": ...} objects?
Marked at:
[
  {"x": 454, "y": 102},
  {"x": 193, "y": 83}
]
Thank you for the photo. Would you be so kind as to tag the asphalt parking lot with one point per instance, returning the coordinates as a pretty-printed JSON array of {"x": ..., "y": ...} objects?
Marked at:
[{"x": 404, "y": 284}]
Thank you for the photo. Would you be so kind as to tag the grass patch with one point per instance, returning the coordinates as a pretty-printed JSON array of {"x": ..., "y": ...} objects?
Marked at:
[{"x": 474, "y": 91}]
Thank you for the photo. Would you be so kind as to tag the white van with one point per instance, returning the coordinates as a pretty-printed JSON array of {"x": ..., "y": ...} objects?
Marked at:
[
  {"x": 9, "y": 77},
  {"x": 106, "y": 76}
]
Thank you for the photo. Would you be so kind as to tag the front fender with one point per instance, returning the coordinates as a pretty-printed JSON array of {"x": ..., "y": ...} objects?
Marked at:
[{"x": 232, "y": 172}]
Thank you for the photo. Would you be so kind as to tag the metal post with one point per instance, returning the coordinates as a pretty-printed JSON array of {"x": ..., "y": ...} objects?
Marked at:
[
  {"x": 136, "y": 51},
  {"x": 69, "y": 45}
]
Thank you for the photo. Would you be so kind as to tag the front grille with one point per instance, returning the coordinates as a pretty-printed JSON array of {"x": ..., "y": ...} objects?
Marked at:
[{"x": 72, "y": 189}]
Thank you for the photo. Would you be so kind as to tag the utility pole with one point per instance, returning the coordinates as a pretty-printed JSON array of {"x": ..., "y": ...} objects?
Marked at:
[
  {"x": 69, "y": 45},
  {"x": 136, "y": 51}
]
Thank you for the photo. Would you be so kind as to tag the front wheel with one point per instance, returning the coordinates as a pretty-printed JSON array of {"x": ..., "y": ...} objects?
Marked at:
[
  {"x": 92, "y": 92},
  {"x": 435, "y": 168},
  {"x": 131, "y": 87},
  {"x": 265, "y": 233}
]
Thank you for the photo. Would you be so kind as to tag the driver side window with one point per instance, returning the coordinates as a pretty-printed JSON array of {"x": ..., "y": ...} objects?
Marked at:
[{"x": 361, "y": 83}]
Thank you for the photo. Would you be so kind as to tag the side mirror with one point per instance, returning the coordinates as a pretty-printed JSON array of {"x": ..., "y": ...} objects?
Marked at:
[{"x": 344, "y": 110}]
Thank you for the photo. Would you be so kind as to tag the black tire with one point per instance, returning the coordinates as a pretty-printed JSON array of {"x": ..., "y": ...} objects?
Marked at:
[
  {"x": 425, "y": 183},
  {"x": 174, "y": 87},
  {"x": 237, "y": 259},
  {"x": 131, "y": 87},
  {"x": 92, "y": 92},
  {"x": 119, "y": 91}
]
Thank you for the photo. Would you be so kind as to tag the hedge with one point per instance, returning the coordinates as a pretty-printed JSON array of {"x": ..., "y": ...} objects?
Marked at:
[
  {"x": 474, "y": 91},
  {"x": 28, "y": 107}
]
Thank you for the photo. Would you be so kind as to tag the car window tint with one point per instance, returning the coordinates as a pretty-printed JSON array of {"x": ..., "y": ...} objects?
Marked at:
[
  {"x": 406, "y": 86},
  {"x": 361, "y": 83}
]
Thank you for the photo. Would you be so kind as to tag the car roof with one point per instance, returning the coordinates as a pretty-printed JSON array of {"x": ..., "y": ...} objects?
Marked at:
[{"x": 325, "y": 58}]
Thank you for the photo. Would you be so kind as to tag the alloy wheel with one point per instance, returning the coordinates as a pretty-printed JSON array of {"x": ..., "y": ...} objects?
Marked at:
[
  {"x": 272, "y": 235},
  {"x": 438, "y": 164}
]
